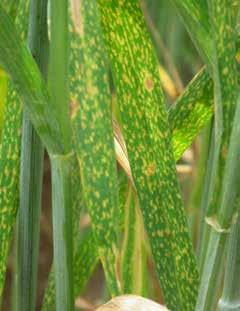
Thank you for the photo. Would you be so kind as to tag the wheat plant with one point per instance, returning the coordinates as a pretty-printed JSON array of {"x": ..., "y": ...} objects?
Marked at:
[{"x": 92, "y": 85}]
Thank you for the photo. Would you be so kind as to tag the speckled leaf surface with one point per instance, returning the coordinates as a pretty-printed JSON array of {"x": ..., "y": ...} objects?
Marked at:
[
  {"x": 3, "y": 96},
  {"x": 191, "y": 112},
  {"x": 84, "y": 261},
  {"x": 94, "y": 143},
  {"x": 9, "y": 174},
  {"x": 16, "y": 60},
  {"x": 148, "y": 140},
  {"x": 10, "y": 160}
]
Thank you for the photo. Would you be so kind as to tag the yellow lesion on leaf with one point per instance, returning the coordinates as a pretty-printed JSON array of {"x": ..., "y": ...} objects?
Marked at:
[
  {"x": 97, "y": 194},
  {"x": 224, "y": 150},
  {"x": 238, "y": 57},
  {"x": 76, "y": 18},
  {"x": 74, "y": 106},
  {"x": 151, "y": 169},
  {"x": 149, "y": 83},
  {"x": 225, "y": 71},
  {"x": 92, "y": 90}
]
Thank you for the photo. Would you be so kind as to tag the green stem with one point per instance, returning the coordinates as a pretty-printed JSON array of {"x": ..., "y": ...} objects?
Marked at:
[
  {"x": 31, "y": 174},
  {"x": 231, "y": 292},
  {"x": 221, "y": 207},
  {"x": 85, "y": 260},
  {"x": 61, "y": 201},
  {"x": 220, "y": 224},
  {"x": 58, "y": 67},
  {"x": 204, "y": 193},
  {"x": 61, "y": 163}
]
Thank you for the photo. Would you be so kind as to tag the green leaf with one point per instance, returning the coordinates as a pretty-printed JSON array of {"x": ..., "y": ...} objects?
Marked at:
[
  {"x": 79, "y": 278},
  {"x": 94, "y": 144},
  {"x": 31, "y": 175},
  {"x": 133, "y": 263},
  {"x": 9, "y": 183},
  {"x": 61, "y": 163},
  {"x": 192, "y": 111},
  {"x": 148, "y": 139},
  {"x": 62, "y": 230},
  {"x": 58, "y": 69},
  {"x": 194, "y": 15},
  {"x": 3, "y": 96},
  {"x": 11, "y": 6},
  {"x": 10, "y": 160},
  {"x": 85, "y": 260},
  {"x": 17, "y": 61},
  {"x": 230, "y": 299}
]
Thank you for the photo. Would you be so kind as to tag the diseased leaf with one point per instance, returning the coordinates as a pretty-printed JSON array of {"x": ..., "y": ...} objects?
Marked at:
[
  {"x": 148, "y": 140},
  {"x": 94, "y": 144},
  {"x": 17, "y": 61},
  {"x": 3, "y": 96},
  {"x": 192, "y": 111},
  {"x": 10, "y": 160}
]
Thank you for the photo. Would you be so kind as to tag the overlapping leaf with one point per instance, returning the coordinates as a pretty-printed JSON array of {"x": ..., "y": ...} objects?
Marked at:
[
  {"x": 148, "y": 141},
  {"x": 10, "y": 160},
  {"x": 94, "y": 144}
]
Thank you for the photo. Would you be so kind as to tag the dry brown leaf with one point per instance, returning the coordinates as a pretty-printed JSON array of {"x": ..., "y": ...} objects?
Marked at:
[{"x": 131, "y": 303}]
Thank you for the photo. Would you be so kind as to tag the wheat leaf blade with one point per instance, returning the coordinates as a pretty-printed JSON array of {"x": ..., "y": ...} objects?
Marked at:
[
  {"x": 10, "y": 159},
  {"x": 31, "y": 174},
  {"x": 140, "y": 98},
  {"x": 94, "y": 144},
  {"x": 84, "y": 262},
  {"x": 19, "y": 64}
]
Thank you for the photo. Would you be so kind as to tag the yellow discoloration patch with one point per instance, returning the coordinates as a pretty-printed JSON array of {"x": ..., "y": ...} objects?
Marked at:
[
  {"x": 76, "y": 18},
  {"x": 151, "y": 169},
  {"x": 149, "y": 83},
  {"x": 92, "y": 90},
  {"x": 74, "y": 106},
  {"x": 225, "y": 71},
  {"x": 238, "y": 57}
]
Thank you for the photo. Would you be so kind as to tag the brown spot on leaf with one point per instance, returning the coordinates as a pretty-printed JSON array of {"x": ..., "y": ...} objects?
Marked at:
[
  {"x": 149, "y": 84},
  {"x": 151, "y": 169},
  {"x": 74, "y": 105}
]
